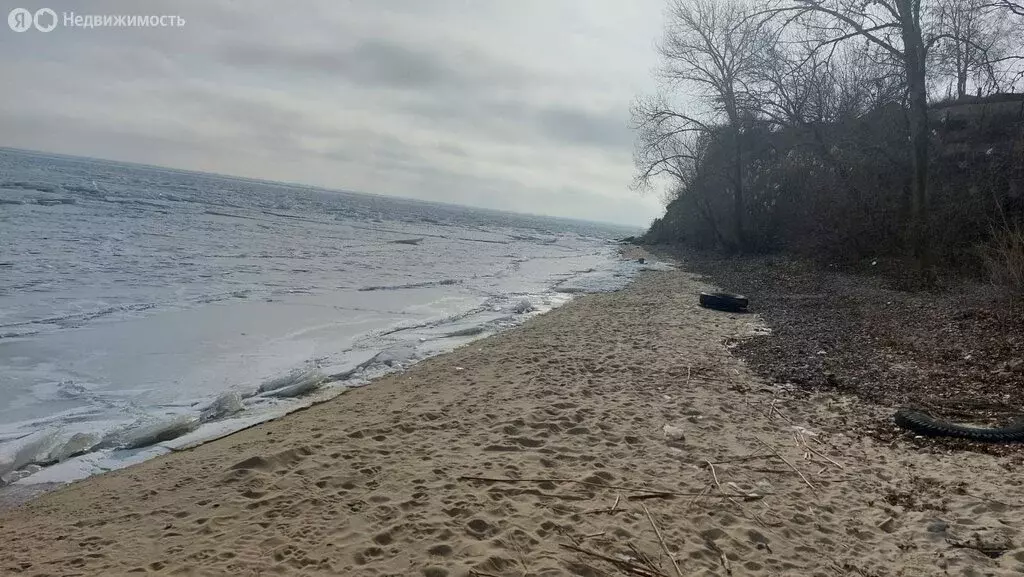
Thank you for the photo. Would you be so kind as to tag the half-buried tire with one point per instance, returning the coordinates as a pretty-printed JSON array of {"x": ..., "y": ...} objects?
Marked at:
[
  {"x": 924, "y": 424},
  {"x": 724, "y": 302}
]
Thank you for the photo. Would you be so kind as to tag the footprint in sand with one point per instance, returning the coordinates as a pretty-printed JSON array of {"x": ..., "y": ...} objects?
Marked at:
[{"x": 480, "y": 529}]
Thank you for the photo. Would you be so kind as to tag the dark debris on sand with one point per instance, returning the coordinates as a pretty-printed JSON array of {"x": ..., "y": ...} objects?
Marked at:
[{"x": 958, "y": 353}]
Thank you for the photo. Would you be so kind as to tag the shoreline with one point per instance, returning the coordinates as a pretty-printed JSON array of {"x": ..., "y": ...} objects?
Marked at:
[
  {"x": 952, "y": 353},
  {"x": 361, "y": 369},
  {"x": 607, "y": 410}
]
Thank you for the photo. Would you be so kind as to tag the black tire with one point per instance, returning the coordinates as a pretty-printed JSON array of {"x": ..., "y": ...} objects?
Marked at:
[
  {"x": 928, "y": 426},
  {"x": 724, "y": 302}
]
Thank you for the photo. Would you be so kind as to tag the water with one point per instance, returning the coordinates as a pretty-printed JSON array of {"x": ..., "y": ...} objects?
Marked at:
[{"x": 133, "y": 296}]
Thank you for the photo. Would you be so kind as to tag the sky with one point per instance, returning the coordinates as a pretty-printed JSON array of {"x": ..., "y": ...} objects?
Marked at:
[{"x": 517, "y": 105}]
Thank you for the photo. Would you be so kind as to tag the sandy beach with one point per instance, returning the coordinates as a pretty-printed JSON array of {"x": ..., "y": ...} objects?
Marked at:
[{"x": 616, "y": 435}]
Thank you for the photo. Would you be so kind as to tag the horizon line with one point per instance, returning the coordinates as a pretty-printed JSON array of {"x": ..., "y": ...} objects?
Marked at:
[{"x": 313, "y": 186}]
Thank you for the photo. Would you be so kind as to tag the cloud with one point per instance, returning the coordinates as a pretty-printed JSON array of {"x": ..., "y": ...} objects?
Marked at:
[
  {"x": 520, "y": 106},
  {"x": 371, "y": 63},
  {"x": 607, "y": 129}
]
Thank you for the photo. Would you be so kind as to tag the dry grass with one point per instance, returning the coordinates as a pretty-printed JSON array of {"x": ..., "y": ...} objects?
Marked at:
[{"x": 1004, "y": 258}]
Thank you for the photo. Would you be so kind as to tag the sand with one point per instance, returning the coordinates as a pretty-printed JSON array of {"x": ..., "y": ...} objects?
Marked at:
[{"x": 373, "y": 483}]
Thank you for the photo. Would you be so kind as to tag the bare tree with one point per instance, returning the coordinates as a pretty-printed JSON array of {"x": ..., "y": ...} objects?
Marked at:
[
  {"x": 1010, "y": 5},
  {"x": 971, "y": 40},
  {"x": 801, "y": 85},
  {"x": 897, "y": 28},
  {"x": 664, "y": 142},
  {"x": 711, "y": 49}
]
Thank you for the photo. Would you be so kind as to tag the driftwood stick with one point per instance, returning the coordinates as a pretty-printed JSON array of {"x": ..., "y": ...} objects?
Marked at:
[
  {"x": 652, "y": 493},
  {"x": 616, "y": 504},
  {"x": 693, "y": 500},
  {"x": 650, "y": 496},
  {"x": 556, "y": 480},
  {"x": 714, "y": 475},
  {"x": 644, "y": 559},
  {"x": 598, "y": 511},
  {"x": 661, "y": 539},
  {"x": 721, "y": 556},
  {"x": 781, "y": 414},
  {"x": 786, "y": 461},
  {"x": 740, "y": 458},
  {"x": 541, "y": 494},
  {"x": 822, "y": 455},
  {"x": 622, "y": 564},
  {"x": 990, "y": 500}
]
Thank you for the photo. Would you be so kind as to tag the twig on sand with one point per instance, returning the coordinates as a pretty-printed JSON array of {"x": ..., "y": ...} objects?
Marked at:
[
  {"x": 647, "y": 493},
  {"x": 544, "y": 495},
  {"x": 599, "y": 511},
  {"x": 820, "y": 454},
  {"x": 475, "y": 573},
  {"x": 688, "y": 367},
  {"x": 721, "y": 555},
  {"x": 643, "y": 558},
  {"x": 661, "y": 539},
  {"x": 565, "y": 533},
  {"x": 740, "y": 458},
  {"x": 693, "y": 500},
  {"x": 989, "y": 499},
  {"x": 781, "y": 414},
  {"x": 650, "y": 496},
  {"x": 786, "y": 461},
  {"x": 626, "y": 566},
  {"x": 522, "y": 557},
  {"x": 714, "y": 475},
  {"x": 556, "y": 480},
  {"x": 616, "y": 504}
]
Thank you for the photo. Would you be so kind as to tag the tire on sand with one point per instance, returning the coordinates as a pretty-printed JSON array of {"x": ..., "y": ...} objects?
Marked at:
[
  {"x": 724, "y": 302},
  {"x": 924, "y": 424}
]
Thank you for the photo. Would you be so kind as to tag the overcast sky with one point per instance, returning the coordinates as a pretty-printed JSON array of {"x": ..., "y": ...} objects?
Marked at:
[{"x": 512, "y": 104}]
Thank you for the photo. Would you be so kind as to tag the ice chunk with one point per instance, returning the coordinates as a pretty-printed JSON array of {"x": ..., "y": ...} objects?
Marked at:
[
  {"x": 310, "y": 382},
  {"x": 291, "y": 378},
  {"x": 146, "y": 435},
  {"x": 227, "y": 404},
  {"x": 467, "y": 332},
  {"x": 12, "y": 476},
  {"x": 78, "y": 443},
  {"x": 395, "y": 355},
  {"x": 26, "y": 450},
  {"x": 523, "y": 306}
]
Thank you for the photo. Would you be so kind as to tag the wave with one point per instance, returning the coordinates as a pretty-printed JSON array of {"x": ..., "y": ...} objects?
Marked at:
[
  {"x": 423, "y": 234},
  {"x": 75, "y": 319},
  {"x": 477, "y": 240},
  {"x": 415, "y": 285},
  {"x": 26, "y": 185},
  {"x": 227, "y": 214},
  {"x": 93, "y": 190}
]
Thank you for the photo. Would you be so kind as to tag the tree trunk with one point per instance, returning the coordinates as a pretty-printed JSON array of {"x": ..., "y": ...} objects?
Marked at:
[
  {"x": 914, "y": 60},
  {"x": 961, "y": 71},
  {"x": 738, "y": 193},
  {"x": 732, "y": 112}
]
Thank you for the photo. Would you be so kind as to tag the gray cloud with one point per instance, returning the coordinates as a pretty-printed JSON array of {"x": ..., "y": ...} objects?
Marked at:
[
  {"x": 586, "y": 128},
  {"x": 520, "y": 106},
  {"x": 370, "y": 63}
]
